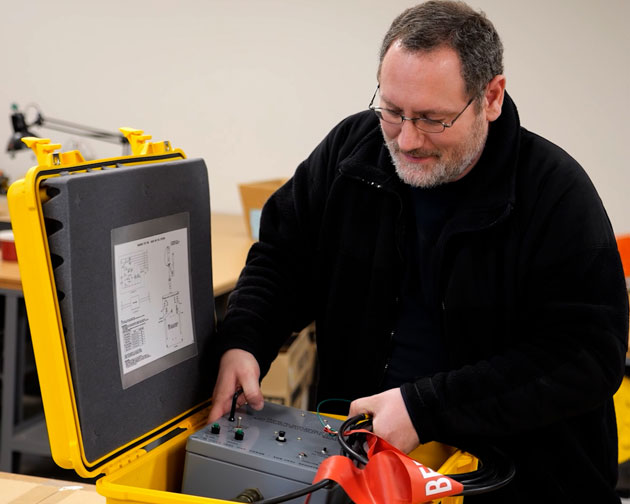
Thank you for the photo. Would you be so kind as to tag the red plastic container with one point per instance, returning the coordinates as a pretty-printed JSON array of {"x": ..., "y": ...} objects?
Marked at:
[{"x": 7, "y": 246}]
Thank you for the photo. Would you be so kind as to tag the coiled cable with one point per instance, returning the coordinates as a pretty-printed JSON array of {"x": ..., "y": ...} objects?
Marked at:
[{"x": 496, "y": 469}]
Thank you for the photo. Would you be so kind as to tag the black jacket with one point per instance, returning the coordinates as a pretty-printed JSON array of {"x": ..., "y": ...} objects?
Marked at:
[{"x": 532, "y": 296}]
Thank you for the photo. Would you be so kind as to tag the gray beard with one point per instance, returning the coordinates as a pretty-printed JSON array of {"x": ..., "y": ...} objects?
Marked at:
[{"x": 442, "y": 171}]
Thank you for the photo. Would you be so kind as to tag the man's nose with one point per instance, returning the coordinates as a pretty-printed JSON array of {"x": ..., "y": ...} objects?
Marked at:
[{"x": 410, "y": 137}]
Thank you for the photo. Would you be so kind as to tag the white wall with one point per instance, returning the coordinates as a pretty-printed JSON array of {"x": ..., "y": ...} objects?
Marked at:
[{"x": 252, "y": 86}]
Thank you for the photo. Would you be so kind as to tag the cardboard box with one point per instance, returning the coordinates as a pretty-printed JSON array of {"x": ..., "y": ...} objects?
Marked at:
[
  {"x": 299, "y": 399},
  {"x": 253, "y": 197},
  {"x": 291, "y": 373}
]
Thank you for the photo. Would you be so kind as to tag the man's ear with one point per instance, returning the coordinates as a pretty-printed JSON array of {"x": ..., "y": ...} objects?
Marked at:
[{"x": 493, "y": 98}]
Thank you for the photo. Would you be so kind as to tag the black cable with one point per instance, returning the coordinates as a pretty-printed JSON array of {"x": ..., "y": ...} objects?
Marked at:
[
  {"x": 233, "y": 408},
  {"x": 496, "y": 469},
  {"x": 349, "y": 424},
  {"x": 298, "y": 493},
  {"x": 477, "y": 475}
]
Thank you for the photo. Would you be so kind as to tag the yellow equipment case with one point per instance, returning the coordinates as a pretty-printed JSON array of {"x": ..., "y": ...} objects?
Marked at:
[{"x": 86, "y": 234}]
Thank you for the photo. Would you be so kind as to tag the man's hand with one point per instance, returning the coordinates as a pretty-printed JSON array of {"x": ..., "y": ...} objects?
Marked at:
[
  {"x": 238, "y": 369},
  {"x": 390, "y": 419}
]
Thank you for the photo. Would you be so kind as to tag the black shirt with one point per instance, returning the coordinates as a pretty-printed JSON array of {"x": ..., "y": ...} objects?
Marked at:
[{"x": 417, "y": 346}]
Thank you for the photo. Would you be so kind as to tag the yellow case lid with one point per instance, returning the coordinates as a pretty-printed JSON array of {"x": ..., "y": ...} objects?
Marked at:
[{"x": 25, "y": 198}]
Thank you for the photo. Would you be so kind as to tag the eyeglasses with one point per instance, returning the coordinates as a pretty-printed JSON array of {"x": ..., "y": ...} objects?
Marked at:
[{"x": 422, "y": 123}]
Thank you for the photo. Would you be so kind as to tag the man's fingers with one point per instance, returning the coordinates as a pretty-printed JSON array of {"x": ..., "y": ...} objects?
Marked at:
[
  {"x": 221, "y": 404},
  {"x": 221, "y": 407},
  {"x": 254, "y": 398},
  {"x": 217, "y": 411},
  {"x": 360, "y": 406},
  {"x": 251, "y": 391},
  {"x": 238, "y": 369},
  {"x": 222, "y": 397}
]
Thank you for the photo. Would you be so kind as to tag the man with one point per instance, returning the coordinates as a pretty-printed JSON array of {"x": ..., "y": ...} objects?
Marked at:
[{"x": 463, "y": 274}]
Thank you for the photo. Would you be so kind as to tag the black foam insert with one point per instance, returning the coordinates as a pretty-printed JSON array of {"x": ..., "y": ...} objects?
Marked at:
[{"x": 80, "y": 215}]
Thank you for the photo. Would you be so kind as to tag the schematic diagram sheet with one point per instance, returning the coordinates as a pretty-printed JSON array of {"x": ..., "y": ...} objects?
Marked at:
[{"x": 153, "y": 301}]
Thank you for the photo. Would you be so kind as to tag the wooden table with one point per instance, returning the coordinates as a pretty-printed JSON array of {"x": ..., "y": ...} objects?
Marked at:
[
  {"x": 10, "y": 275},
  {"x": 21, "y": 489}
]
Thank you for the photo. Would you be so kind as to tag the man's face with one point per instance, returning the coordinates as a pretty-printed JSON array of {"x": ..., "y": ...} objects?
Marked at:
[{"x": 429, "y": 84}]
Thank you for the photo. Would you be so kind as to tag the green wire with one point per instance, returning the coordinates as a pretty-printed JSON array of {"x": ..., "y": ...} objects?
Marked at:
[{"x": 319, "y": 416}]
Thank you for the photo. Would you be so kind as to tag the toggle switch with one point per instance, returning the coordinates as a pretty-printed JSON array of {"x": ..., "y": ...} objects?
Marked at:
[{"x": 280, "y": 437}]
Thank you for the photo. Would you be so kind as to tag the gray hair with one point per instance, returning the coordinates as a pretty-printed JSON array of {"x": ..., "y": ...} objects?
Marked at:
[{"x": 437, "y": 23}]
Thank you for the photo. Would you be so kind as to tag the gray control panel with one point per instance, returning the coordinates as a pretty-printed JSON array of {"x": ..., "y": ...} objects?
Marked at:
[{"x": 276, "y": 450}]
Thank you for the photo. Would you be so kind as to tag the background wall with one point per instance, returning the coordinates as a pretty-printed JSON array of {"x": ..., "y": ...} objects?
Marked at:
[{"x": 253, "y": 85}]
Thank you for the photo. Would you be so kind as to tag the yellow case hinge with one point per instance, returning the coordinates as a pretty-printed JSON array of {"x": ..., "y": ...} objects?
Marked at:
[
  {"x": 46, "y": 155},
  {"x": 122, "y": 461},
  {"x": 138, "y": 143}
]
